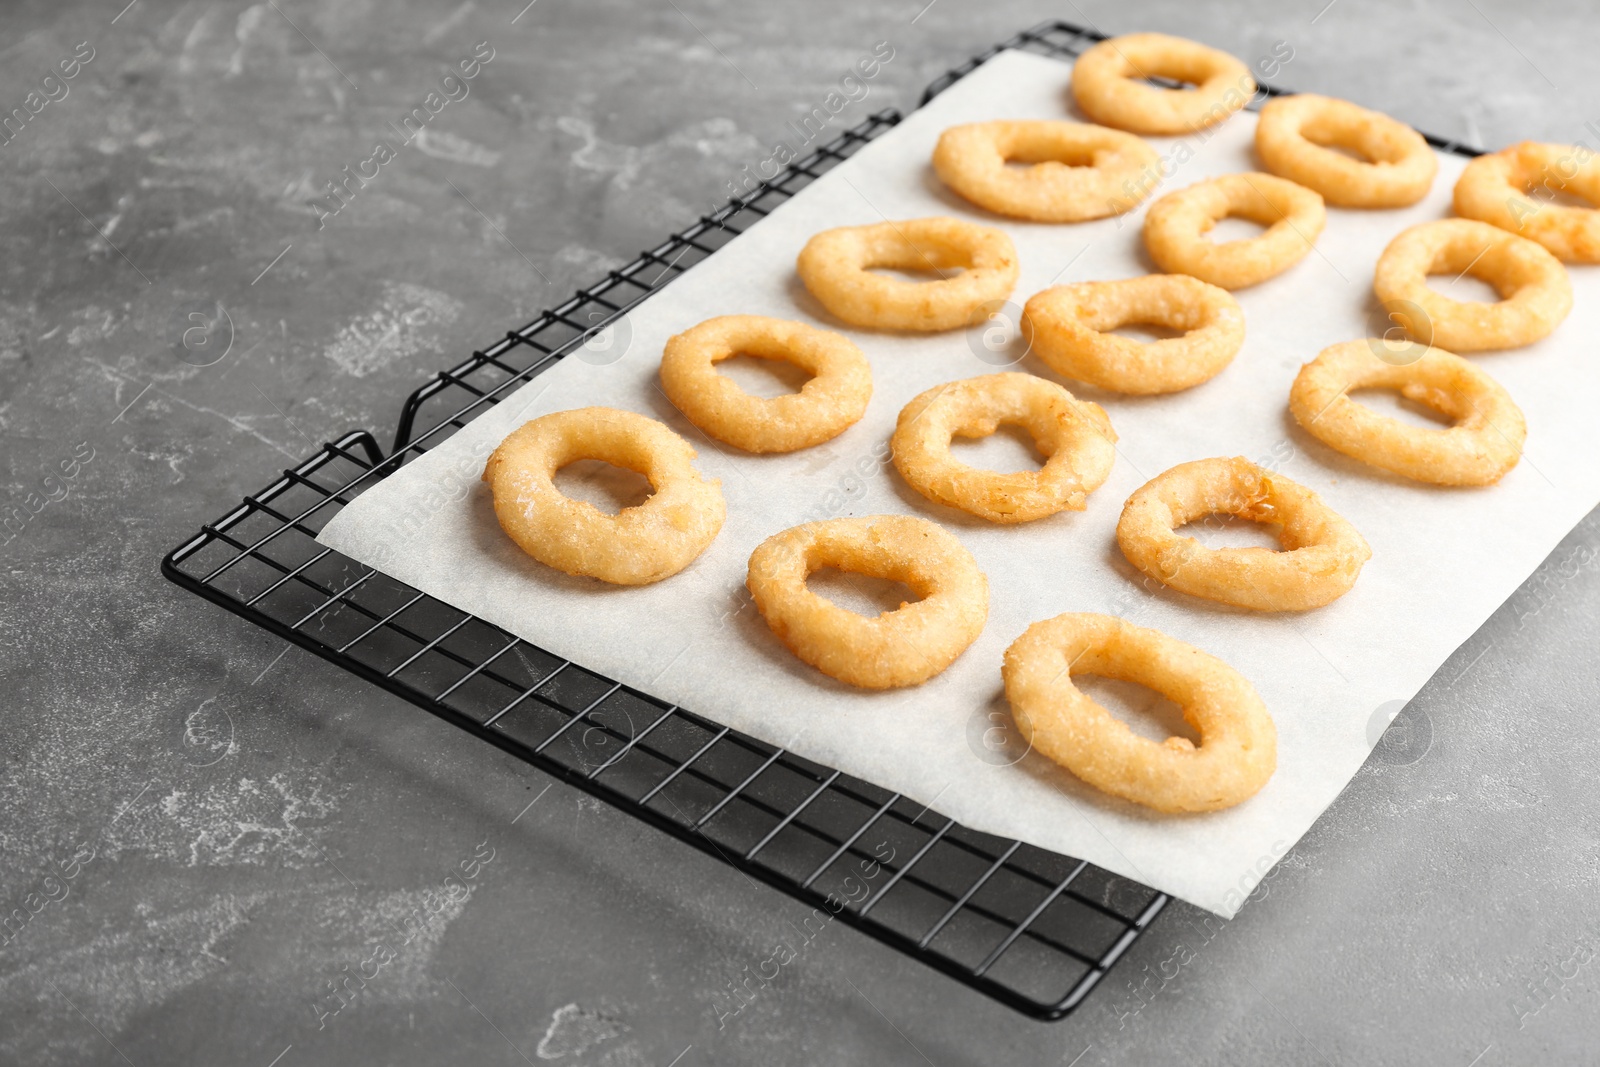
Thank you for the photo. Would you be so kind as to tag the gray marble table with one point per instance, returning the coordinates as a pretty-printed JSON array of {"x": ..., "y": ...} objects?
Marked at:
[{"x": 205, "y": 831}]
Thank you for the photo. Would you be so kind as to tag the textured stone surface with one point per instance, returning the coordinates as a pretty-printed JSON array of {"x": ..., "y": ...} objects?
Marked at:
[{"x": 258, "y": 820}]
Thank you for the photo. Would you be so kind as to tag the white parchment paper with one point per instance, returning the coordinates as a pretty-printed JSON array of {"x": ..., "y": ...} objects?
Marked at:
[{"x": 1443, "y": 560}]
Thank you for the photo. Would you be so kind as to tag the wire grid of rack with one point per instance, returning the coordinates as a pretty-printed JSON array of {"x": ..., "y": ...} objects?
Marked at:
[{"x": 1032, "y": 929}]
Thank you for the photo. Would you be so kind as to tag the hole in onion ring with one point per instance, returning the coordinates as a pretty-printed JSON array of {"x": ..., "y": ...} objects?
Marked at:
[
  {"x": 1222, "y": 530},
  {"x": 915, "y": 274},
  {"x": 1158, "y": 81},
  {"x": 1078, "y": 156},
  {"x": 1347, "y": 151},
  {"x": 1466, "y": 289},
  {"x": 1146, "y": 332},
  {"x": 860, "y": 593},
  {"x": 1235, "y": 228},
  {"x": 1143, "y": 710},
  {"x": 1402, "y": 409},
  {"x": 1552, "y": 196},
  {"x": 765, "y": 378},
  {"x": 1008, "y": 450},
  {"x": 608, "y": 487}
]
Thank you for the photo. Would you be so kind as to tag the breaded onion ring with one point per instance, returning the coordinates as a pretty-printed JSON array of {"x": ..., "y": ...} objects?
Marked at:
[
  {"x": 1105, "y": 84},
  {"x": 1075, "y": 435},
  {"x": 1479, "y": 449},
  {"x": 1070, "y": 329},
  {"x": 1506, "y": 189},
  {"x": 637, "y": 545},
  {"x": 1294, "y": 139},
  {"x": 1078, "y": 171},
  {"x": 1322, "y": 553},
  {"x": 827, "y": 405},
  {"x": 1238, "y": 742},
  {"x": 905, "y": 646},
  {"x": 1176, "y": 225},
  {"x": 978, "y": 266},
  {"x": 1535, "y": 293}
]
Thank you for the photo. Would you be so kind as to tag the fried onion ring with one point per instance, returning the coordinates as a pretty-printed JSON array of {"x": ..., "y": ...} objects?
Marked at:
[
  {"x": 636, "y": 546},
  {"x": 831, "y": 402},
  {"x": 1176, "y": 225},
  {"x": 1479, "y": 449},
  {"x": 1070, "y": 329},
  {"x": 1238, "y": 748},
  {"x": 1075, "y": 435},
  {"x": 836, "y": 265},
  {"x": 1295, "y": 137},
  {"x": 1535, "y": 293},
  {"x": 902, "y": 647},
  {"x": 1505, "y": 189},
  {"x": 1078, "y": 171},
  {"x": 1322, "y": 553},
  {"x": 1104, "y": 85}
]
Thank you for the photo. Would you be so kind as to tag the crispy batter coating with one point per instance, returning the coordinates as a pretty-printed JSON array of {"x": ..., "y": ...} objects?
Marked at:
[
  {"x": 977, "y": 266},
  {"x": 1297, "y": 135},
  {"x": 1070, "y": 329},
  {"x": 1238, "y": 748},
  {"x": 1321, "y": 555},
  {"x": 636, "y": 546},
  {"x": 1074, "y": 435},
  {"x": 1175, "y": 228},
  {"x": 1077, "y": 171},
  {"x": 1107, "y": 83},
  {"x": 906, "y": 646},
  {"x": 831, "y": 402},
  {"x": 1535, "y": 292},
  {"x": 1515, "y": 189},
  {"x": 1479, "y": 449}
]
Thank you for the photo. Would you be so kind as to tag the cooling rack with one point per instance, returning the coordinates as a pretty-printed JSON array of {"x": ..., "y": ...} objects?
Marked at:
[{"x": 1032, "y": 929}]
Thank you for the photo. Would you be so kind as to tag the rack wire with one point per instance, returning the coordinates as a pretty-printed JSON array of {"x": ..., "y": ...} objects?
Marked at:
[{"x": 1032, "y": 929}]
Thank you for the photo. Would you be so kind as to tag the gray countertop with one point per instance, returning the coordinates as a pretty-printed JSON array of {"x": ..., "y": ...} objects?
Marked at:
[{"x": 211, "y": 829}]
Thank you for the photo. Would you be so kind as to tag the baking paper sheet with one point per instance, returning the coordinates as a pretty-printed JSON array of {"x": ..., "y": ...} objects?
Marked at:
[{"x": 1443, "y": 560}]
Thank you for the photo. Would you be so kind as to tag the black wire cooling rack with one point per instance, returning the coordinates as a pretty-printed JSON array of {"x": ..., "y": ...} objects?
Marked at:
[{"x": 1033, "y": 929}]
